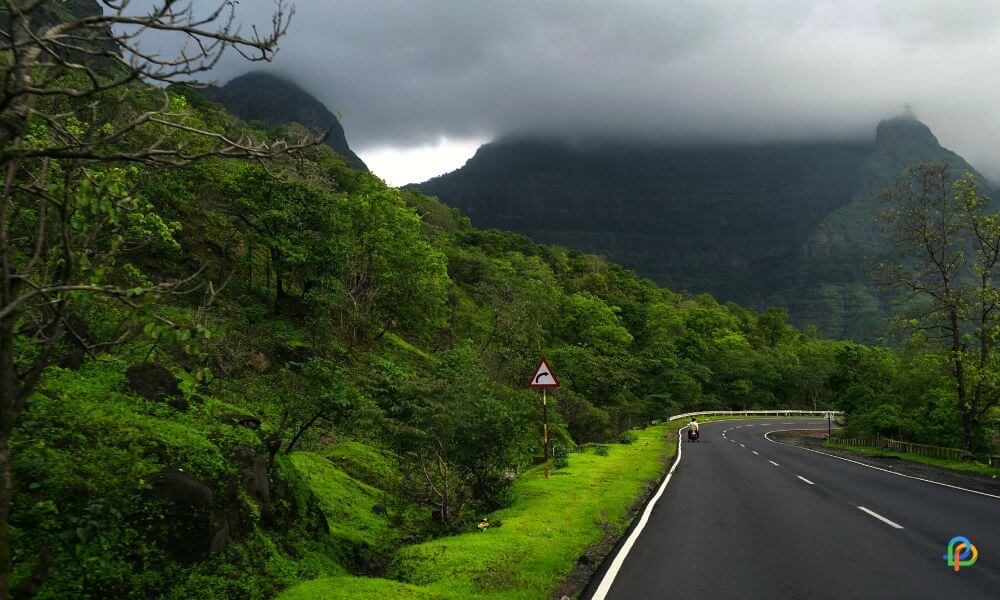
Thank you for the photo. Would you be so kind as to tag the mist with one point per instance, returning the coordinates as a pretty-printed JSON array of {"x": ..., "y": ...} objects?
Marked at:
[{"x": 405, "y": 74}]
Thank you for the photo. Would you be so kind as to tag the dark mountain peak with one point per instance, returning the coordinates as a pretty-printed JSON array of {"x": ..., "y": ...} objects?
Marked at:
[
  {"x": 275, "y": 100},
  {"x": 905, "y": 130},
  {"x": 902, "y": 142}
]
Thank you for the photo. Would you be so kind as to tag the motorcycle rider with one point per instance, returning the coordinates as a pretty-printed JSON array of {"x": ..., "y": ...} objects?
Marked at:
[{"x": 693, "y": 428}]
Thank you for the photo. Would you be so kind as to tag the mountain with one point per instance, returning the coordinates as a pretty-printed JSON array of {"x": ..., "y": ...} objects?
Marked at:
[
  {"x": 272, "y": 100},
  {"x": 786, "y": 224}
]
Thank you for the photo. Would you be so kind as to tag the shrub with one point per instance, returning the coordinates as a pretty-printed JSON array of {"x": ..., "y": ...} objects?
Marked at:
[
  {"x": 560, "y": 457},
  {"x": 627, "y": 438},
  {"x": 601, "y": 450}
]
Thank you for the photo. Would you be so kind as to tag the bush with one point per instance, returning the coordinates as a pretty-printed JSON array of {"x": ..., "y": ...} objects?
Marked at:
[
  {"x": 560, "y": 457},
  {"x": 601, "y": 450},
  {"x": 627, "y": 438}
]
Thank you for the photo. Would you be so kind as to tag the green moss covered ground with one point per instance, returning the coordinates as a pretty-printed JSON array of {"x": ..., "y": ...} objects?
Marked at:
[{"x": 532, "y": 546}]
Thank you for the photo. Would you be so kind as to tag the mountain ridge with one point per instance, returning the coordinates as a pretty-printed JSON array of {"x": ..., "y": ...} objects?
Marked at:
[
  {"x": 783, "y": 223},
  {"x": 275, "y": 100}
]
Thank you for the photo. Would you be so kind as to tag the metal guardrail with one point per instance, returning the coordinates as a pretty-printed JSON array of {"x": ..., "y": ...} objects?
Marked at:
[
  {"x": 911, "y": 448},
  {"x": 775, "y": 413}
]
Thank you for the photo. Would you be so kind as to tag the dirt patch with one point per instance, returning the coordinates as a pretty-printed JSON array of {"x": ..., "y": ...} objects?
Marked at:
[{"x": 972, "y": 481}]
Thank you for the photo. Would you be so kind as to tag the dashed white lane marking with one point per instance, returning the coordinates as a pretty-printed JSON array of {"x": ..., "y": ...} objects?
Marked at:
[
  {"x": 755, "y": 452},
  {"x": 788, "y": 423},
  {"x": 881, "y": 518},
  {"x": 805, "y": 480},
  {"x": 742, "y": 446},
  {"x": 774, "y": 463},
  {"x": 954, "y": 487}
]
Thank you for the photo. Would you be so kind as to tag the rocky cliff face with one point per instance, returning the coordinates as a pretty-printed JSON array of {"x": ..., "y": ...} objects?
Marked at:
[
  {"x": 275, "y": 101},
  {"x": 780, "y": 224}
]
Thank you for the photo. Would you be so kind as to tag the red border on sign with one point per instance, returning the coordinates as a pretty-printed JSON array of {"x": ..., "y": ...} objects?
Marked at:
[{"x": 551, "y": 372}]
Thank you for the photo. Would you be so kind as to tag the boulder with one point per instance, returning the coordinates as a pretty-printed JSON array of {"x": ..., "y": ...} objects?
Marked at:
[
  {"x": 285, "y": 354},
  {"x": 259, "y": 361},
  {"x": 73, "y": 359},
  {"x": 189, "y": 530},
  {"x": 240, "y": 419},
  {"x": 155, "y": 382},
  {"x": 253, "y": 481}
]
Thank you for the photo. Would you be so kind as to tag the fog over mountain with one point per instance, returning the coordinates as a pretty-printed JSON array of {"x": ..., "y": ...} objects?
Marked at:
[{"x": 406, "y": 73}]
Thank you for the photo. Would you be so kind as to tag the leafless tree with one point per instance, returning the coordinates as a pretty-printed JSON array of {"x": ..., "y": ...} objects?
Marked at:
[{"x": 83, "y": 104}]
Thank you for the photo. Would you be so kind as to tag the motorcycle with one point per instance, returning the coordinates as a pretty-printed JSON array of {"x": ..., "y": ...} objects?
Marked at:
[{"x": 693, "y": 435}]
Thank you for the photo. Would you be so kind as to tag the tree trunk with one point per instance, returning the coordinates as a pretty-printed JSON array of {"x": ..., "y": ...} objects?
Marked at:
[
  {"x": 302, "y": 429},
  {"x": 8, "y": 414},
  {"x": 6, "y": 492},
  {"x": 279, "y": 283}
]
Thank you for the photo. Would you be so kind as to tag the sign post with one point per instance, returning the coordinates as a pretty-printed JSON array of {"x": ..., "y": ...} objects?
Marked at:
[
  {"x": 544, "y": 378},
  {"x": 829, "y": 424}
]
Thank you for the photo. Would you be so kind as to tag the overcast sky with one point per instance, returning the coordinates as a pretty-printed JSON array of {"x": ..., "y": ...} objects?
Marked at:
[{"x": 421, "y": 83}]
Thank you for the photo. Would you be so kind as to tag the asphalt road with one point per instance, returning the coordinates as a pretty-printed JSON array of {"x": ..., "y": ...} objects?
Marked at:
[{"x": 743, "y": 517}]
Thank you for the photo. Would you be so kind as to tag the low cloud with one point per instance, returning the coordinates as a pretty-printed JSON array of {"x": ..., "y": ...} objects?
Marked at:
[{"x": 406, "y": 73}]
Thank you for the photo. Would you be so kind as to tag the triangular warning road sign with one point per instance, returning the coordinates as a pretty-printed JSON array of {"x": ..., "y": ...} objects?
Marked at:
[{"x": 544, "y": 377}]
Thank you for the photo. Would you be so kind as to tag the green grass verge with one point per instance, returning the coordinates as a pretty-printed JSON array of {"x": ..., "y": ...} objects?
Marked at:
[
  {"x": 538, "y": 540},
  {"x": 953, "y": 465}
]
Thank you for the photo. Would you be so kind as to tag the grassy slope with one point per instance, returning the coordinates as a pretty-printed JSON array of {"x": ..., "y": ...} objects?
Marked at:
[
  {"x": 539, "y": 538},
  {"x": 954, "y": 465},
  {"x": 346, "y": 502}
]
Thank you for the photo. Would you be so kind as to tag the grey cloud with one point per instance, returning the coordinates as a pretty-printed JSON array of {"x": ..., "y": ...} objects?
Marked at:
[{"x": 404, "y": 72}]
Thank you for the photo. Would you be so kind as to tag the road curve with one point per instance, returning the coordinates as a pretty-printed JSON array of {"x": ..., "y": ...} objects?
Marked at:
[{"x": 744, "y": 517}]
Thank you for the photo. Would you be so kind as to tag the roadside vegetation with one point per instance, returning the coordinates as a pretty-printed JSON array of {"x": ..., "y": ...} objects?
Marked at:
[
  {"x": 943, "y": 463},
  {"x": 529, "y": 548}
]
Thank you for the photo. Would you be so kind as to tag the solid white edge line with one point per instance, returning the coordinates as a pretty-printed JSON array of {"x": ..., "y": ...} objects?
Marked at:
[
  {"x": 881, "y": 518},
  {"x": 805, "y": 480},
  {"x": 954, "y": 487},
  {"x": 612, "y": 572},
  {"x": 774, "y": 463}
]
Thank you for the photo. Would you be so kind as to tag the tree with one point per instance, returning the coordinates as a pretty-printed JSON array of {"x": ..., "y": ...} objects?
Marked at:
[
  {"x": 77, "y": 114},
  {"x": 313, "y": 393},
  {"x": 293, "y": 222},
  {"x": 457, "y": 438},
  {"x": 392, "y": 278},
  {"x": 947, "y": 243}
]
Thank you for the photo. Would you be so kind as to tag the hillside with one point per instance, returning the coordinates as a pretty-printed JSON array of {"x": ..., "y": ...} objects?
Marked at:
[
  {"x": 273, "y": 100},
  {"x": 761, "y": 225},
  {"x": 345, "y": 352}
]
